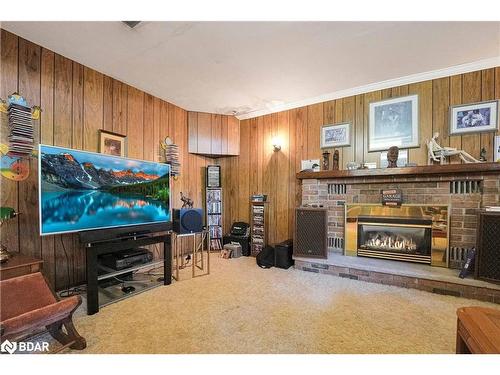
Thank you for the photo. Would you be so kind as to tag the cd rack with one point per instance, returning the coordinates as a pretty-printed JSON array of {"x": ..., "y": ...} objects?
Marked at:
[
  {"x": 259, "y": 219},
  {"x": 213, "y": 209}
]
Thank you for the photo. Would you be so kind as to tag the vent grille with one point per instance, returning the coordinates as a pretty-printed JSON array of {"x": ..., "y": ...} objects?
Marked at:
[
  {"x": 337, "y": 188},
  {"x": 465, "y": 187},
  {"x": 336, "y": 242},
  {"x": 458, "y": 255}
]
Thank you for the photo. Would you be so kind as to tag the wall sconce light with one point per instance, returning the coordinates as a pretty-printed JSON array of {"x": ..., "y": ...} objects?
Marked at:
[{"x": 276, "y": 144}]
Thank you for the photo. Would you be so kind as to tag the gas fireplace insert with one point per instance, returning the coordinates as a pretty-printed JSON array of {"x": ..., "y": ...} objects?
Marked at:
[
  {"x": 395, "y": 238},
  {"x": 411, "y": 232}
]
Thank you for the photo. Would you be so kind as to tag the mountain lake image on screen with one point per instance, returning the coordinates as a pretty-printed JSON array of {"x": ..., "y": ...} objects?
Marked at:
[{"x": 80, "y": 190}]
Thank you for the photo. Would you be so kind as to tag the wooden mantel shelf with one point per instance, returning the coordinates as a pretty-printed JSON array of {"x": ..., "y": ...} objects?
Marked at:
[{"x": 406, "y": 171}]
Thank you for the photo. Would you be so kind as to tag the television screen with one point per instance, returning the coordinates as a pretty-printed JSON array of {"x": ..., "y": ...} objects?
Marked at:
[{"x": 82, "y": 190}]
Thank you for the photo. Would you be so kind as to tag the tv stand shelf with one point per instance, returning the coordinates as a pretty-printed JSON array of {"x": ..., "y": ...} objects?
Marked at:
[
  {"x": 113, "y": 273},
  {"x": 94, "y": 249},
  {"x": 111, "y": 294}
]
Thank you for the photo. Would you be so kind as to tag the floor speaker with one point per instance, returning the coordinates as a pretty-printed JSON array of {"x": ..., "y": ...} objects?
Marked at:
[
  {"x": 187, "y": 220},
  {"x": 488, "y": 248},
  {"x": 310, "y": 234}
]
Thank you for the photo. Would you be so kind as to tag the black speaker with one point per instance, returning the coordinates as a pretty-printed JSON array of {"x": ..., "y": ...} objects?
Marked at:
[
  {"x": 311, "y": 231},
  {"x": 488, "y": 248},
  {"x": 187, "y": 220},
  {"x": 283, "y": 254}
]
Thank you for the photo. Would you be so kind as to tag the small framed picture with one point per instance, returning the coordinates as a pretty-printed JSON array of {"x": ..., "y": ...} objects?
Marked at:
[
  {"x": 393, "y": 122},
  {"x": 496, "y": 154},
  {"x": 336, "y": 135},
  {"x": 112, "y": 143},
  {"x": 474, "y": 117}
]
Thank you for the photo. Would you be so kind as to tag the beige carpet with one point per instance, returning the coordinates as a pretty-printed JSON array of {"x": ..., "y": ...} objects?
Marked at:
[{"x": 240, "y": 308}]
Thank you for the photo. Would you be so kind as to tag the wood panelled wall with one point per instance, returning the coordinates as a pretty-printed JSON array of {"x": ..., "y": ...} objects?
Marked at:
[
  {"x": 78, "y": 101},
  {"x": 260, "y": 170}
]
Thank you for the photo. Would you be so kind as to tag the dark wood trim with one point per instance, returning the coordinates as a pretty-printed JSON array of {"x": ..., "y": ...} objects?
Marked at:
[{"x": 407, "y": 171}]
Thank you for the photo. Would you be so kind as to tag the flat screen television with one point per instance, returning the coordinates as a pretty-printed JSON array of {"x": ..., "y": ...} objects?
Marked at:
[{"x": 83, "y": 191}]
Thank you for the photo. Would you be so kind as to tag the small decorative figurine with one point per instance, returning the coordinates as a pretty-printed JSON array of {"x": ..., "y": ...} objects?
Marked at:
[
  {"x": 326, "y": 161},
  {"x": 482, "y": 155},
  {"x": 335, "y": 165},
  {"x": 186, "y": 201},
  {"x": 436, "y": 152},
  {"x": 392, "y": 157}
]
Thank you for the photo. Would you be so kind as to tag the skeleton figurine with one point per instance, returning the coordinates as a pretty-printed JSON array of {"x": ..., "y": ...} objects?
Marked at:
[
  {"x": 439, "y": 153},
  {"x": 186, "y": 201}
]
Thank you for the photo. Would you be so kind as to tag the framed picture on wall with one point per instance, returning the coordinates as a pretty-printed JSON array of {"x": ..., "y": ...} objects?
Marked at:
[
  {"x": 474, "y": 117},
  {"x": 336, "y": 135},
  {"x": 112, "y": 143},
  {"x": 496, "y": 153},
  {"x": 393, "y": 122}
]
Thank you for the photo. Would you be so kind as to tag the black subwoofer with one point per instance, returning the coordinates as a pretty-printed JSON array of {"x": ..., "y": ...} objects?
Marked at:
[
  {"x": 187, "y": 220},
  {"x": 488, "y": 247},
  {"x": 283, "y": 254},
  {"x": 310, "y": 235}
]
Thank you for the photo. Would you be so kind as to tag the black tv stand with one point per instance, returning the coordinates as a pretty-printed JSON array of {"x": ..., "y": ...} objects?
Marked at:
[{"x": 94, "y": 249}]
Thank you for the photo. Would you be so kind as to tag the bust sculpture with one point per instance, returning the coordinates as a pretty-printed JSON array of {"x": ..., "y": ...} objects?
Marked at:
[{"x": 392, "y": 157}]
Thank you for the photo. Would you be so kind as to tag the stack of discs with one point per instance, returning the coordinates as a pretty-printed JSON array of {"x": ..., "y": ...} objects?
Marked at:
[
  {"x": 172, "y": 158},
  {"x": 21, "y": 140}
]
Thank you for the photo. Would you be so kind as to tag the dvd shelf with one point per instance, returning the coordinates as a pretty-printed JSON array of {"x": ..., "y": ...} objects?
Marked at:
[
  {"x": 213, "y": 205},
  {"x": 259, "y": 233}
]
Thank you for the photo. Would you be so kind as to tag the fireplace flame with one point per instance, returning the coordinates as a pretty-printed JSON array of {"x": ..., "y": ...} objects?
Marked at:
[{"x": 384, "y": 241}]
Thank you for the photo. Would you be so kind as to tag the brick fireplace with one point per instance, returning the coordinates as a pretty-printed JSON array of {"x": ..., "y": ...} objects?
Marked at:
[
  {"x": 463, "y": 188},
  {"x": 450, "y": 195}
]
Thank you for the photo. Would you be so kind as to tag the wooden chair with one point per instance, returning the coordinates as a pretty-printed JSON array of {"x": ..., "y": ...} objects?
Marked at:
[{"x": 28, "y": 303}]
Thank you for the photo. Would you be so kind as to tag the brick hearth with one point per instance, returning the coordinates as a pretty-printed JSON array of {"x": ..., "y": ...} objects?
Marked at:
[{"x": 402, "y": 274}]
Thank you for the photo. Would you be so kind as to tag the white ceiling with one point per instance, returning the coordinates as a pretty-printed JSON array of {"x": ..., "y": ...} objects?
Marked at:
[{"x": 257, "y": 67}]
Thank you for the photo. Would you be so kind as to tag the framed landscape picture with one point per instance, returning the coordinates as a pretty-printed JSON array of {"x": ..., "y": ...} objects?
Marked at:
[
  {"x": 393, "y": 122},
  {"x": 474, "y": 117},
  {"x": 112, "y": 143},
  {"x": 336, "y": 135}
]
